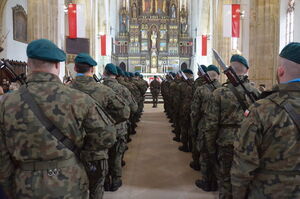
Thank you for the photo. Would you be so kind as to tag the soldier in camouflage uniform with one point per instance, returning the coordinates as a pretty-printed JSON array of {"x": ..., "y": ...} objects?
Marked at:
[
  {"x": 201, "y": 101},
  {"x": 114, "y": 177},
  {"x": 195, "y": 117},
  {"x": 34, "y": 164},
  {"x": 267, "y": 150},
  {"x": 142, "y": 89},
  {"x": 184, "y": 97},
  {"x": 200, "y": 80},
  {"x": 220, "y": 126},
  {"x": 108, "y": 99},
  {"x": 155, "y": 90},
  {"x": 175, "y": 103}
]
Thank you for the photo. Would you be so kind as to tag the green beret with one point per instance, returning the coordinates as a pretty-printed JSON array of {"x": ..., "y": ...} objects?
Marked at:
[
  {"x": 240, "y": 59},
  {"x": 291, "y": 52},
  {"x": 131, "y": 74},
  {"x": 111, "y": 68},
  {"x": 188, "y": 71},
  {"x": 136, "y": 74},
  {"x": 213, "y": 68},
  {"x": 83, "y": 58},
  {"x": 155, "y": 76},
  {"x": 204, "y": 68},
  {"x": 120, "y": 71},
  {"x": 45, "y": 50},
  {"x": 141, "y": 76}
]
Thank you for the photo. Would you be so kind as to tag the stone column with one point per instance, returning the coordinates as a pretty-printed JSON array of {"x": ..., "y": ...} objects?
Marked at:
[
  {"x": 43, "y": 20},
  {"x": 264, "y": 41}
]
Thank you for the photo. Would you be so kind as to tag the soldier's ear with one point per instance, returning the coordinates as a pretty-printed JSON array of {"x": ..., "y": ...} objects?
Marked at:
[{"x": 280, "y": 71}]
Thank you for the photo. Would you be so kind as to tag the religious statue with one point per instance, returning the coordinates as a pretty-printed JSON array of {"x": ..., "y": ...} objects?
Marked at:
[
  {"x": 153, "y": 39},
  {"x": 183, "y": 21},
  {"x": 123, "y": 21},
  {"x": 173, "y": 12},
  {"x": 134, "y": 11},
  {"x": 147, "y": 6},
  {"x": 160, "y": 6}
]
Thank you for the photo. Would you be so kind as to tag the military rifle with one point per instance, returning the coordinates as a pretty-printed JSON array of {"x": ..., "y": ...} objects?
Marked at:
[
  {"x": 5, "y": 65},
  {"x": 206, "y": 76},
  {"x": 232, "y": 76}
]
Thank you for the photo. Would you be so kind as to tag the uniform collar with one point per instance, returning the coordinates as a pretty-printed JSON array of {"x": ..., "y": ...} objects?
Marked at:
[
  {"x": 43, "y": 77},
  {"x": 293, "y": 81}
]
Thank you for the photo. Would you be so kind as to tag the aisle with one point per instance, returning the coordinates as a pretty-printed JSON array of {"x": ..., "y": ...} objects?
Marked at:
[{"x": 155, "y": 168}]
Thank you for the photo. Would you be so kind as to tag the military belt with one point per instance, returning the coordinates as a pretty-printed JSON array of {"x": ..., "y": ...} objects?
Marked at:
[
  {"x": 272, "y": 172},
  {"x": 47, "y": 165}
]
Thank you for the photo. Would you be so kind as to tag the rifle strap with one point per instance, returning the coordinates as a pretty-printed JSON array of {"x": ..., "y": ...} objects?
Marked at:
[
  {"x": 239, "y": 97},
  {"x": 50, "y": 127},
  {"x": 295, "y": 116}
]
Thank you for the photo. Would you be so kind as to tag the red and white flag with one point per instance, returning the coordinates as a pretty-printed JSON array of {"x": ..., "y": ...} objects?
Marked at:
[
  {"x": 103, "y": 45},
  {"x": 231, "y": 20},
  {"x": 76, "y": 15}
]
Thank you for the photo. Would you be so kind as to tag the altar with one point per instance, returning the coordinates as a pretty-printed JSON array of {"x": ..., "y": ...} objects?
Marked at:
[{"x": 154, "y": 37}]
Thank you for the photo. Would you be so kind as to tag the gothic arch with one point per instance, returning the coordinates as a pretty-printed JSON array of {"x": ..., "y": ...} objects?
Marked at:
[
  {"x": 184, "y": 66},
  {"x": 123, "y": 66}
]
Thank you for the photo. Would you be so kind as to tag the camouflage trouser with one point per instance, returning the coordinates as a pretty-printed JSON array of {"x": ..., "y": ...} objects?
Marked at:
[
  {"x": 176, "y": 120},
  {"x": 97, "y": 178},
  {"x": 225, "y": 158},
  {"x": 208, "y": 167},
  {"x": 185, "y": 135},
  {"x": 155, "y": 99},
  {"x": 115, "y": 157},
  {"x": 195, "y": 150}
]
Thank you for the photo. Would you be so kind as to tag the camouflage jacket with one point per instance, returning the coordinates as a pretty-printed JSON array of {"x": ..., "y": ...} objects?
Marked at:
[
  {"x": 140, "y": 85},
  {"x": 174, "y": 91},
  {"x": 104, "y": 95},
  {"x": 266, "y": 159},
  {"x": 122, "y": 91},
  {"x": 155, "y": 87},
  {"x": 184, "y": 98},
  {"x": 134, "y": 90},
  {"x": 198, "y": 82},
  {"x": 24, "y": 139},
  {"x": 201, "y": 100},
  {"x": 225, "y": 114}
]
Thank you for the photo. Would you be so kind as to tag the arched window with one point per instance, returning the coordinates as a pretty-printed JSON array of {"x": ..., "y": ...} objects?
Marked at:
[{"x": 290, "y": 22}]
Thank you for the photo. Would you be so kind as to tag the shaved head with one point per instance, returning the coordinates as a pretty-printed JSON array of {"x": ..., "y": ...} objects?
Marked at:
[
  {"x": 287, "y": 70},
  {"x": 239, "y": 68}
]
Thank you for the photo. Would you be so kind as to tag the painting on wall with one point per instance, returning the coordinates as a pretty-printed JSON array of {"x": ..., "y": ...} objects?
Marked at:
[{"x": 19, "y": 24}]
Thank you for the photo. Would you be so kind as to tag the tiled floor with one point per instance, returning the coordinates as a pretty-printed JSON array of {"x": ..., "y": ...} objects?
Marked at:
[{"x": 155, "y": 168}]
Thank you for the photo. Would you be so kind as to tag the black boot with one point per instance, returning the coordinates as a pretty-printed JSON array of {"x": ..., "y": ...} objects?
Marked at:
[
  {"x": 116, "y": 184},
  {"x": 184, "y": 149},
  {"x": 176, "y": 139},
  {"x": 202, "y": 185},
  {"x": 195, "y": 166},
  {"x": 107, "y": 184}
]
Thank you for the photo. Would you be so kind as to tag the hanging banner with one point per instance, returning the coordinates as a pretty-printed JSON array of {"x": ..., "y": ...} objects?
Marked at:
[
  {"x": 204, "y": 45},
  {"x": 236, "y": 20},
  {"x": 76, "y": 17},
  {"x": 231, "y": 20},
  {"x": 103, "y": 45}
]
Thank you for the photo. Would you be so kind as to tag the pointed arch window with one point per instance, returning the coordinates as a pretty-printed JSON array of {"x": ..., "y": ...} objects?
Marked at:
[{"x": 290, "y": 21}]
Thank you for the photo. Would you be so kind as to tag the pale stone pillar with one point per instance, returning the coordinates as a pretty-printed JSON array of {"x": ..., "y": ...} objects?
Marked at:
[
  {"x": 43, "y": 20},
  {"x": 264, "y": 41}
]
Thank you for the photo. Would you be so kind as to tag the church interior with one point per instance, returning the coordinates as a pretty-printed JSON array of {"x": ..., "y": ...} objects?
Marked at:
[{"x": 152, "y": 38}]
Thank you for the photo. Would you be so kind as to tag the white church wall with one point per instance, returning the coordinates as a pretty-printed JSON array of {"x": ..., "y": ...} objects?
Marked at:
[
  {"x": 297, "y": 22},
  {"x": 283, "y": 18},
  {"x": 12, "y": 49},
  {"x": 245, "y": 6}
]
